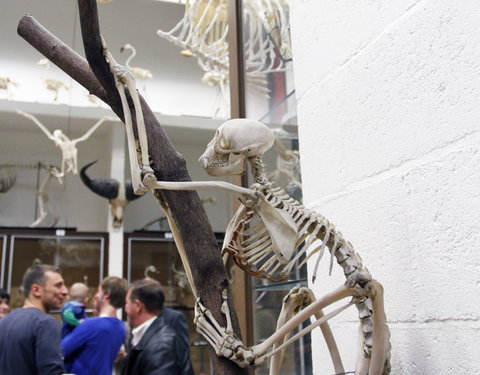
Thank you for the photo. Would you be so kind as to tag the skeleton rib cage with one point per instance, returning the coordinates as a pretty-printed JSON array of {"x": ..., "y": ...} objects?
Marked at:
[{"x": 251, "y": 248}]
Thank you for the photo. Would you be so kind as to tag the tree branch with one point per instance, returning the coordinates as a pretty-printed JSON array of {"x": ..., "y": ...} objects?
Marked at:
[{"x": 60, "y": 54}]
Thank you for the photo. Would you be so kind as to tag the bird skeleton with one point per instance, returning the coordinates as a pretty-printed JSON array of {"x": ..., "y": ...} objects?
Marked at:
[
  {"x": 67, "y": 146},
  {"x": 138, "y": 73},
  {"x": 6, "y": 83},
  {"x": 50, "y": 83},
  {"x": 269, "y": 233}
]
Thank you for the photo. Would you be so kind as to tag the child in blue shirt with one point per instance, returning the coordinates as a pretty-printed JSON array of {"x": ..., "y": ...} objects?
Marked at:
[{"x": 73, "y": 312}]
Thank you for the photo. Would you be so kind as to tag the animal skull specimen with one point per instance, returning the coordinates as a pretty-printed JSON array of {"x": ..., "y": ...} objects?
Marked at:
[
  {"x": 269, "y": 233},
  {"x": 119, "y": 194},
  {"x": 229, "y": 150}
]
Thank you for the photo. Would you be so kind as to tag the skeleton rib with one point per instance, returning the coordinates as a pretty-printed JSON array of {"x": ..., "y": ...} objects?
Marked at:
[
  {"x": 255, "y": 249},
  {"x": 260, "y": 253},
  {"x": 269, "y": 263},
  {"x": 255, "y": 236},
  {"x": 259, "y": 259},
  {"x": 254, "y": 228},
  {"x": 259, "y": 243}
]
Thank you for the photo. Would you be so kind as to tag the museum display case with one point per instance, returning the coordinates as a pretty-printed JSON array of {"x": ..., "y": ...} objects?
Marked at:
[
  {"x": 82, "y": 257},
  {"x": 154, "y": 254}
]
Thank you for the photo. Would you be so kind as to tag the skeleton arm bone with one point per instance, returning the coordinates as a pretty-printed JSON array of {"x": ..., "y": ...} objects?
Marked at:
[{"x": 195, "y": 185}]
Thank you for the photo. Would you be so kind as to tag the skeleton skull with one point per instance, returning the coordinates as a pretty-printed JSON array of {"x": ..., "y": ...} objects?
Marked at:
[{"x": 235, "y": 141}]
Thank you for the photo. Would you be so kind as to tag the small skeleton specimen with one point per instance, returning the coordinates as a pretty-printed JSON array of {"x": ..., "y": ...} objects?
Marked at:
[
  {"x": 67, "y": 146},
  {"x": 6, "y": 84},
  {"x": 51, "y": 84},
  {"x": 9, "y": 179},
  {"x": 151, "y": 268},
  {"x": 267, "y": 236},
  {"x": 203, "y": 30},
  {"x": 42, "y": 197},
  {"x": 138, "y": 73},
  {"x": 119, "y": 194}
]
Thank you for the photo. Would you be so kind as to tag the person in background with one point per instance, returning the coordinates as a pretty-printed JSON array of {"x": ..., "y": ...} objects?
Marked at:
[
  {"x": 155, "y": 349},
  {"x": 73, "y": 312},
  {"x": 29, "y": 337},
  {"x": 177, "y": 321},
  {"x": 91, "y": 348},
  {"x": 4, "y": 303}
]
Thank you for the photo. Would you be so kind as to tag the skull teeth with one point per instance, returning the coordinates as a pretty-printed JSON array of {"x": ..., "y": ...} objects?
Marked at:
[{"x": 221, "y": 161}]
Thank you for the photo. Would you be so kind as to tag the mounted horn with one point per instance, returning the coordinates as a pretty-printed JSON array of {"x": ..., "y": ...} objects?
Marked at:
[{"x": 119, "y": 194}]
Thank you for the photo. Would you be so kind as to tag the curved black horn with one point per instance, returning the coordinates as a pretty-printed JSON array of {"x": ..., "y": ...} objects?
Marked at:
[
  {"x": 131, "y": 196},
  {"x": 105, "y": 187}
]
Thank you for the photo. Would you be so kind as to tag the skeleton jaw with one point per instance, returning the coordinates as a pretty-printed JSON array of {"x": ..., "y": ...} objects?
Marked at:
[{"x": 228, "y": 164}]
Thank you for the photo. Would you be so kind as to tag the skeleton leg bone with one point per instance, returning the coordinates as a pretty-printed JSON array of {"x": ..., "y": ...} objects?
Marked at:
[
  {"x": 380, "y": 341},
  {"x": 228, "y": 345},
  {"x": 297, "y": 299}
]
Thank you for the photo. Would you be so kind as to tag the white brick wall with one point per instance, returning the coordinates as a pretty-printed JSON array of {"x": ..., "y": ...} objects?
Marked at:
[{"x": 389, "y": 112}]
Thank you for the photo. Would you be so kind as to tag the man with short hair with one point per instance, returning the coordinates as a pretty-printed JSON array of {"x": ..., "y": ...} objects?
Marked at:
[
  {"x": 93, "y": 346},
  {"x": 29, "y": 337},
  {"x": 156, "y": 348}
]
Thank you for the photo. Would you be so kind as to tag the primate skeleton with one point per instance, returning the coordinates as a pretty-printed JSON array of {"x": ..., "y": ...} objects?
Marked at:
[{"x": 268, "y": 234}]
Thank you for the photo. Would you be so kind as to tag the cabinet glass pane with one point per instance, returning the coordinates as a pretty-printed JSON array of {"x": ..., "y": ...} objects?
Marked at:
[
  {"x": 79, "y": 258},
  {"x": 270, "y": 99},
  {"x": 3, "y": 249}
]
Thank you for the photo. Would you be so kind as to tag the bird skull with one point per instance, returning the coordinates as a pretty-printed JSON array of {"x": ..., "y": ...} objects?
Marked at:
[{"x": 233, "y": 144}]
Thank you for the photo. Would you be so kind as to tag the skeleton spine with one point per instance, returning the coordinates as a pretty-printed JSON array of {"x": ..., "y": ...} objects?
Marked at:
[{"x": 351, "y": 263}]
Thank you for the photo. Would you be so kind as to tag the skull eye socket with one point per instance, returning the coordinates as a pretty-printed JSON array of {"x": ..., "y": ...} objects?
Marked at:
[
  {"x": 223, "y": 143},
  {"x": 235, "y": 153}
]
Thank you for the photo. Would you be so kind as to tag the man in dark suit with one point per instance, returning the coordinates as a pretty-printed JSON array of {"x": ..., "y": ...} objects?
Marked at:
[{"x": 156, "y": 349}]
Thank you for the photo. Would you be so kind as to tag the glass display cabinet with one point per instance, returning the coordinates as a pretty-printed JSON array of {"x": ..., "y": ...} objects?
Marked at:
[
  {"x": 154, "y": 255},
  {"x": 82, "y": 257},
  {"x": 265, "y": 74}
]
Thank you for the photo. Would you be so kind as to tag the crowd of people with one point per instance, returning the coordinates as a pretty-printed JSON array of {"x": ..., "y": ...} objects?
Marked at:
[{"x": 32, "y": 342}]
